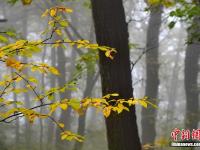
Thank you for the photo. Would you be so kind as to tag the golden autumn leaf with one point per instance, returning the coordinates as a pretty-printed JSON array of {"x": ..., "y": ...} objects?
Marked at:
[
  {"x": 13, "y": 63},
  {"x": 107, "y": 111},
  {"x": 68, "y": 10},
  {"x": 45, "y": 13},
  {"x": 63, "y": 106},
  {"x": 54, "y": 71},
  {"x": 154, "y": 2},
  {"x": 53, "y": 12},
  {"x": 26, "y": 2},
  {"x": 61, "y": 125}
]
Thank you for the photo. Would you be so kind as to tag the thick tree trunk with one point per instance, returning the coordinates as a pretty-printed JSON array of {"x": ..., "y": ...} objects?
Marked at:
[
  {"x": 152, "y": 79},
  {"x": 191, "y": 76},
  {"x": 111, "y": 30}
]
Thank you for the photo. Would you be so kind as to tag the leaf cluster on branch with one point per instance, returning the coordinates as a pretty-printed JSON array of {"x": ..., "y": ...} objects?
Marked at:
[{"x": 9, "y": 57}]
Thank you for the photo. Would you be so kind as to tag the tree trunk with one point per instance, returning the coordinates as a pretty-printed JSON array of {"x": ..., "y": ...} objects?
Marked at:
[
  {"x": 51, "y": 126},
  {"x": 152, "y": 79},
  {"x": 17, "y": 125},
  {"x": 191, "y": 76},
  {"x": 111, "y": 30},
  {"x": 28, "y": 132},
  {"x": 91, "y": 80},
  {"x": 65, "y": 116},
  {"x": 173, "y": 89}
]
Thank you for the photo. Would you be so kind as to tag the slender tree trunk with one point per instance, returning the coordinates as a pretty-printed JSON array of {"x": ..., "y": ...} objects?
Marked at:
[
  {"x": 90, "y": 83},
  {"x": 51, "y": 126},
  {"x": 191, "y": 76},
  {"x": 173, "y": 89},
  {"x": 65, "y": 116},
  {"x": 41, "y": 122},
  {"x": 152, "y": 78},
  {"x": 28, "y": 133},
  {"x": 111, "y": 30},
  {"x": 17, "y": 125}
]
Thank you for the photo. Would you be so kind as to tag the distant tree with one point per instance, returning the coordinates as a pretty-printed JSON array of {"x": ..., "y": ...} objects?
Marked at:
[
  {"x": 191, "y": 75},
  {"x": 152, "y": 74}
]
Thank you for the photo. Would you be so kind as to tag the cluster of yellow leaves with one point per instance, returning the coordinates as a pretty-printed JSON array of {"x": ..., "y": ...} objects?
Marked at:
[
  {"x": 166, "y": 3},
  {"x": 109, "y": 52},
  {"x": 4, "y": 102},
  {"x": 22, "y": 48},
  {"x": 53, "y": 12},
  {"x": 100, "y": 104},
  {"x": 68, "y": 135},
  {"x": 124, "y": 105},
  {"x": 13, "y": 63},
  {"x": 44, "y": 68}
]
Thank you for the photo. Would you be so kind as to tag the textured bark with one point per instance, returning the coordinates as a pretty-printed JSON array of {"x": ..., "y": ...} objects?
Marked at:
[
  {"x": 111, "y": 30},
  {"x": 191, "y": 76},
  {"x": 152, "y": 79}
]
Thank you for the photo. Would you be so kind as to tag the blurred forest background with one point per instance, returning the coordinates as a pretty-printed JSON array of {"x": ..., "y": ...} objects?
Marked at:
[{"x": 164, "y": 68}]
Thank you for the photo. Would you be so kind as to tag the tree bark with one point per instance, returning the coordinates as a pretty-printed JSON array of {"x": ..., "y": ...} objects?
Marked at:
[
  {"x": 191, "y": 76},
  {"x": 152, "y": 75},
  {"x": 111, "y": 30}
]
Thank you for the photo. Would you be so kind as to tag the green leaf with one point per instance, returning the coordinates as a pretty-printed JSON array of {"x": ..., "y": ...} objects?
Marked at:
[
  {"x": 3, "y": 39},
  {"x": 64, "y": 23},
  {"x": 172, "y": 24}
]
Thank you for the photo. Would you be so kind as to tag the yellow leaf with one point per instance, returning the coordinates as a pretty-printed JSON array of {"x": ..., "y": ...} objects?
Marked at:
[
  {"x": 132, "y": 102},
  {"x": 120, "y": 108},
  {"x": 12, "y": 62},
  {"x": 2, "y": 54},
  {"x": 53, "y": 12},
  {"x": 64, "y": 23},
  {"x": 53, "y": 71},
  {"x": 68, "y": 10},
  {"x": 3, "y": 39},
  {"x": 32, "y": 79},
  {"x": 114, "y": 94},
  {"x": 58, "y": 32},
  {"x": 64, "y": 136},
  {"x": 143, "y": 103},
  {"x": 108, "y": 54},
  {"x": 45, "y": 13},
  {"x": 53, "y": 107},
  {"x": 63, "y": 106},
  {"x": 61, "y": 125},
  {"x": 107, "y": 111},
  {"x": 26, "y": 2},
  {"x": 74, "y": 103},
  {"x": 154, "y": 2}
]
